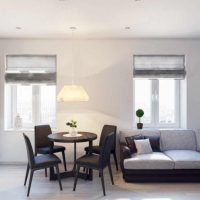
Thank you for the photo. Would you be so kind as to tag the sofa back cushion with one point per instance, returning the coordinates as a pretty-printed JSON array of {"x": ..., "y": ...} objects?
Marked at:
[
  {"x": 144, "y": 132},
  {"x": 197, "y": 132},
  {"x": 178, "y": 140}
]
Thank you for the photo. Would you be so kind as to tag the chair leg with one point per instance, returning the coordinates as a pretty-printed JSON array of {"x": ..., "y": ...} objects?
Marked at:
[
  {"x": 86, "y": 153},
  {"x": 110, "y": 172},
  {"x": 58, "y": 175},
  {"x": 45, "y": 168},
  {"x": 76, "y": 177},
  {"x": 102, "y": 182},
  {"x": 84, "y": 169},
  {"x": 115, "y": 158},
  {"x": 45, "y": 172},
  {"x": 86, "y": 173},
  {"x": 64, "y": 160},
  {"x": 27, "y": 172},
  {"x": 30, "y": 181}
]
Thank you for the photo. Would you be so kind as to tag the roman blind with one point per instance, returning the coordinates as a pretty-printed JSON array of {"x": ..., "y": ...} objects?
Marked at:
[
  {"x": 159, "y": 66},
  {"x": 30, "y": 69}
]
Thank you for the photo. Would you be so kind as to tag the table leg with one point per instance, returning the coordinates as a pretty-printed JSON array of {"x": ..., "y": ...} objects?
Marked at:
[
  {"x": 90, "y": 177},
  {"x": 66, "y": 174},
  {"x": 74, "y": 167}
]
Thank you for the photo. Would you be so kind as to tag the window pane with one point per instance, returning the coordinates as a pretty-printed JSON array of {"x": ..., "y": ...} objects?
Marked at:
[
  {"x": 48, "y": 104},
  {"x": 24, "y": 104},
  {"x": 166, "y": 101},
  {"x": 143, "y": 98}
]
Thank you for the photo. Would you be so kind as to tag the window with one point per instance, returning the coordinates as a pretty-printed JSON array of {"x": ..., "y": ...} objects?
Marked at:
[
  {"x": 157, "y": 88},
  {"x": 35, "y": 104},
  {"x": 159, "y": 98},
  {"x": 30, "y": 91}
]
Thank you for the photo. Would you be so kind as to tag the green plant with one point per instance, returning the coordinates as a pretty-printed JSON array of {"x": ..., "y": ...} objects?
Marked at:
[
  {"x": 72, "y": 124},
  {"x": 139, "y": 114}
]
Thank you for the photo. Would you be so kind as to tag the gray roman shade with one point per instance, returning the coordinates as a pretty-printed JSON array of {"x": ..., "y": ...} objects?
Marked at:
[
  {"x": 30, "y": 69},
  {"x": 159, "y": 66}
]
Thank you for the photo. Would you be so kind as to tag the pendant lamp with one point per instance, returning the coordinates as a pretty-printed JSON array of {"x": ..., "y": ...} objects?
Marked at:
[{"x": 72, "y": 92}]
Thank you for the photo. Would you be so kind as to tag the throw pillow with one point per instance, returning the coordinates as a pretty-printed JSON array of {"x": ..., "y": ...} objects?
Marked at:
[
  {"x": 143, "y": 146},
  {"x": 155, "y": 142},
  {"x": 131, "y": 143}
]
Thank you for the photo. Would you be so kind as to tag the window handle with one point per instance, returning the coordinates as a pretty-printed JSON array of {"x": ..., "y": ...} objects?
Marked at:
[
  {"x": 156, "y": 97},
  {"x": 153, "y": 97}
]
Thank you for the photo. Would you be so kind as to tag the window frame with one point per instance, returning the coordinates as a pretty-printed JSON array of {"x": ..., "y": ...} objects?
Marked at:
[
  {"x": 36, "y": 105},
  {"x": 155, "y": 105}
]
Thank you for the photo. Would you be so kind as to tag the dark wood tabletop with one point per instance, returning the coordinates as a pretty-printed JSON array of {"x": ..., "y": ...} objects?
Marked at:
[{"x": 86, "y": 136}]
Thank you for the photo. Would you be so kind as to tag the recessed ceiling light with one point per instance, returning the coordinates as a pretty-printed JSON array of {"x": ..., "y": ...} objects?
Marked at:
[
  {"x": 127, "y": 27},
  {"x": 72, "y": 28},
  {"x": 18, "y": 27}
]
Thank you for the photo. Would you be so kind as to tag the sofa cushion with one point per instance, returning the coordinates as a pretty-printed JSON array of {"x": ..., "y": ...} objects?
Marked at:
[
  {"x": 143, "y": 146},
  {"x": 155, "y": 160},
  {"x": 184, "y": 159},
  {"x": 178, "y": 140},
  {"x": 146, "y": 132},
  {"x": 131, "y": 143},
  {"x": 155, "y": 142},
  {"x": 197, "y": 133}
]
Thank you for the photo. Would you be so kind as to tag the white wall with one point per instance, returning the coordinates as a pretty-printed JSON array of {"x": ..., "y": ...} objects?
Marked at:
[{"x": 104, "y": 68}]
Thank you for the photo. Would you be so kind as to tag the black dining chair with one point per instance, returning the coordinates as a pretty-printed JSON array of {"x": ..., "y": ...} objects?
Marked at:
[
  {"x": 97, "y": 162},
  {"x": 44, "y": 146},
  {"x": 39, "y": 162},
  {"x": 97, "y": 149}
]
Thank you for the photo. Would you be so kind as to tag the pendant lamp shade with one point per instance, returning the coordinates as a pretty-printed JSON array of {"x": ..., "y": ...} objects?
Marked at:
[{"x": 72, "y": 93}]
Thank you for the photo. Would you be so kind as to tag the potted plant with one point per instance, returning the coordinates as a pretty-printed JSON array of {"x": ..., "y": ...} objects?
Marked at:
[
  {"x": 139, "y": 114},
  {"x": 73, "y": 125}
]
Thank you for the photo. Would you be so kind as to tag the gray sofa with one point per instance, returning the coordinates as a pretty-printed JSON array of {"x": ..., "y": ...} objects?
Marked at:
[{"x": 178, "y": 159}]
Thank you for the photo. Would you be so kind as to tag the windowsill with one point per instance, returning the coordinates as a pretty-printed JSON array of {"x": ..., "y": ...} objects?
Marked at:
[
  {"x": 25, "y": 130},
  {"x": 158, "y": 128}
]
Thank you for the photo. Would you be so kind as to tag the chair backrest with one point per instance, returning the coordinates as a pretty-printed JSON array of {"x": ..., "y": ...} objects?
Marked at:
[
  {"x": 106, "y": 150},
  {"x": 105, "y": 131},
  {"x": 29, "y": 150},
  {"x": 41, "y": 136}
]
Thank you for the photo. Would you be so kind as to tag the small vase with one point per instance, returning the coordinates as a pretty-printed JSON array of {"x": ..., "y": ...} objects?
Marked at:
[
  {"x": 73, "y": 131},
  {"x": 18, "y": 122}
]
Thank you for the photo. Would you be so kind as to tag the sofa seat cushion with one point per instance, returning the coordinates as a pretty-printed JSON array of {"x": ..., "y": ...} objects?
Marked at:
[
  {"x": 155, "y": 160},
  {"x": 184, "y": 159}
]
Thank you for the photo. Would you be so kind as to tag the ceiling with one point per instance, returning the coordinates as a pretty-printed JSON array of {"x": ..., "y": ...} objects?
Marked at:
[{"x": 100, "y": 18}]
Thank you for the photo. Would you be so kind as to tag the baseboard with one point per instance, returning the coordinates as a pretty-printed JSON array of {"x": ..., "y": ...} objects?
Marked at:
[
  {"x": 21, "y": 163},
  {"x": 13, "y": 163}
]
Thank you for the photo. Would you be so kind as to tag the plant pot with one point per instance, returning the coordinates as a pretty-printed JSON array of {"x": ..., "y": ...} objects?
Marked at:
[{"x": 139, "y": 125}]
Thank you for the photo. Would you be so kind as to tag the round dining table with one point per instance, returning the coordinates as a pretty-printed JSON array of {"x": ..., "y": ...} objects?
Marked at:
[{"x": 65, "y": 137}]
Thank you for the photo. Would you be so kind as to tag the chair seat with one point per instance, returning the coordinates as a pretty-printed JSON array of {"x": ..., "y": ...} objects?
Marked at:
[
  {"x": 46, "y": 150},
  {"x": 89, "y": 161},
  {"x": 43, "y": 161},
  {"x": 95, "y": 149}
]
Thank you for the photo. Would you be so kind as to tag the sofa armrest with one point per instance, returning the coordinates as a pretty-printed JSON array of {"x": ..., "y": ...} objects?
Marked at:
[{"x": 126, "y": 152}]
